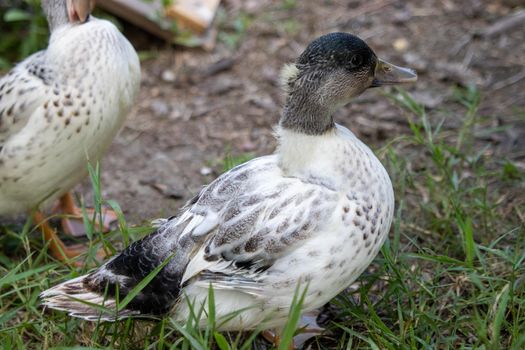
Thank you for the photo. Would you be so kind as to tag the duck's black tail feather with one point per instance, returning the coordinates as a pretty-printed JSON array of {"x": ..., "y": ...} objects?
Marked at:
[{"x": 96, "y": 296}]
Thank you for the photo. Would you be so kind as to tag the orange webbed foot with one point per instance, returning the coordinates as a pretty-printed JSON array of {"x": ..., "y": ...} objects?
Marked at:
[{"x": 73, "y": 222}]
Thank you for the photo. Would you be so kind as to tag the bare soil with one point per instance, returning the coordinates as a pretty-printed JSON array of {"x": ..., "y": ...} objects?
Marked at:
[{"x": 196, "y": 107}]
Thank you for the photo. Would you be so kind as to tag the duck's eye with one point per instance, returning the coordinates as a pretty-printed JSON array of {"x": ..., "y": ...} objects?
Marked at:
[{"x": 356, "y": 60}]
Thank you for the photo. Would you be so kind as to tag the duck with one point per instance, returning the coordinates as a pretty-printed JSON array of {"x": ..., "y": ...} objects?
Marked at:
[
  {"x": 312, "y": 215},
  {"x": 60, "y": 108}
]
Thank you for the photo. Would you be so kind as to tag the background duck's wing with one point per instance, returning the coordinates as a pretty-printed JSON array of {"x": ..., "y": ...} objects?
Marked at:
[
  {"x": 22, "y": 91},
  {"x": 250, "y": 217}
]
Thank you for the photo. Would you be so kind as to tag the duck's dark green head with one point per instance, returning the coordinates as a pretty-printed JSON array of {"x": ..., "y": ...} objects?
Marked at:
[{"x": 333, "y": 69}]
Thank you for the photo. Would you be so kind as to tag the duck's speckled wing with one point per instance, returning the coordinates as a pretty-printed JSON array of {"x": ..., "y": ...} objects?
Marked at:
[
  {"x": 22, "y": 91},
  {"x": 229, "y": 234},
  {"x": 250, "y": 217}
]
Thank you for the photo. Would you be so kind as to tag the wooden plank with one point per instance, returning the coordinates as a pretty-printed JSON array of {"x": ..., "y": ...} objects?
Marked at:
[
  {"x": 196, "y": 15},
  {"x": 141, "y": 14}
]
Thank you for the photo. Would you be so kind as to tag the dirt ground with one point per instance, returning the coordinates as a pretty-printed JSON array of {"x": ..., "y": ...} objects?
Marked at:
[{"x": 197, "y": 107}]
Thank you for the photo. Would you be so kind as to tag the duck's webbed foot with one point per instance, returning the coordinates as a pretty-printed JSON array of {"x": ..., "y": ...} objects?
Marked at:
[
  {"x": 58, "y": 248},
  {"x": 73, "y": 221}
]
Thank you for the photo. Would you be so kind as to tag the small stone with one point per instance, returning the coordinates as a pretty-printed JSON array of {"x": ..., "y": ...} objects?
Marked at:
[
  {"x": 415, "y": 61},
  {"x": 168, "y": 76},
  {"x": 205, "y": 171},
  {"x": 428, "y": 99},
  {"x": 264, "y": 102},
  {"x": 400, "y": 45},
  {"x": 248, "y": 146},
  {"x": 159, "y": 108},
  {"x": 402, "y": 16},
  {"x": 171, "y": 189},
  {"x": 168, "y": 190}
]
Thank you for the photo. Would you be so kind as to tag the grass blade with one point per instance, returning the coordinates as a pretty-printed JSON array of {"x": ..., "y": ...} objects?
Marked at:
[
  {"x": 293, "y": 318},
  {"x": 500, "y": 304},
  {"x": 221, "y": 341}
]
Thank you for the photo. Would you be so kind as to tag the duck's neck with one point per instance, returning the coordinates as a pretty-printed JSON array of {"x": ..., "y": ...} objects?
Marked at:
[
  {"x": 301, "y": 154},
  {"x": 307, "y": 116},
  {"x": 56, "y": 13}
]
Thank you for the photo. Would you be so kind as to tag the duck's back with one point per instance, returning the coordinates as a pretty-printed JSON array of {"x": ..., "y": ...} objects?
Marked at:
[{"x": 62, "y": 107}]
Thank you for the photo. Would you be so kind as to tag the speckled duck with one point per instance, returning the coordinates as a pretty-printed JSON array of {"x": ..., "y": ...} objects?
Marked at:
[
  {"x": 60, "y": 108},
  {"x": 316, "y": 212}
]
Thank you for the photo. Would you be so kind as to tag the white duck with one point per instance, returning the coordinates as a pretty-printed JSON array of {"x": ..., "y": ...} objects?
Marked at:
[
  {"x": 315, "y": 213},
  {"x": 61, "y": 108}
]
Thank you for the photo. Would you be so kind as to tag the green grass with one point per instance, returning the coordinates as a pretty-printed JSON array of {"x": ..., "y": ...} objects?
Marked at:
[
  {"x": 21, "y": 18},
  {"x": 232, "y": 31},
  {"x": 451, "y": 275},
  {"x": 24, "y": 19}
]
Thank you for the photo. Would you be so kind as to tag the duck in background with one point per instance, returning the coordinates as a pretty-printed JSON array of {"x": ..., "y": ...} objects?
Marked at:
[
  {"x": 60, "y": 108},
  {"x": 313, "y": 214}
]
